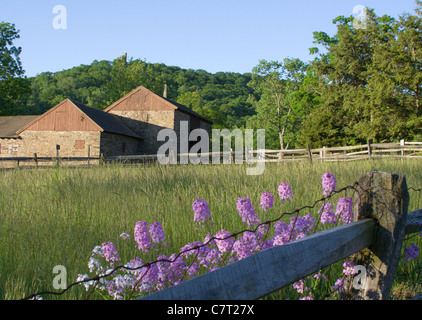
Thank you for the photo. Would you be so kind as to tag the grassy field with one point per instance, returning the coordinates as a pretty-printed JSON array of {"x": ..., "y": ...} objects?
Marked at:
[{"x": 56, "y": 216}]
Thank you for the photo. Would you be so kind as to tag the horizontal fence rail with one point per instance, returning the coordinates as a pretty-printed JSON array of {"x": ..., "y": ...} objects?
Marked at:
[
  {"x": 283, "y": 265},
  {"x": 274, "y": 268},
  {"x": 400, "y": 150}
]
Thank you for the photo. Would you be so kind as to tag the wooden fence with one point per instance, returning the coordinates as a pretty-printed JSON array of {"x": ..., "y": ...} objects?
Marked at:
[
  {"x": 400, "y": 150},
  {"x": 374, "y": 240}
]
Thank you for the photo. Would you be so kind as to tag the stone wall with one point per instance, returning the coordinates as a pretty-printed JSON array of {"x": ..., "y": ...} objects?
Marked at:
[
  {"x": 43, "y": 143},
  {"x": 147, "y": 124},
  {"x": 117, "y": 145}
]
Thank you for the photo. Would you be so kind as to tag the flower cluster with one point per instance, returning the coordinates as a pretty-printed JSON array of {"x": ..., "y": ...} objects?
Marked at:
[
  {"x": 329, "y": 183},
  {"x": 109, "y": 251},
  {"x": 138, "y": 278},
  {"x": 201, "y": 211},
  {"x": 157, "y": 233},
  {"x": 142, "y": 237},
  {"x": 327, "y": 213},
  {"x": 411, "y": 252},
  {"x": 267, "y": 200},
  {"x": 345, "y": 209},
  {"x": 247, "y": 211},
  {"x": 284, "y": 191}
]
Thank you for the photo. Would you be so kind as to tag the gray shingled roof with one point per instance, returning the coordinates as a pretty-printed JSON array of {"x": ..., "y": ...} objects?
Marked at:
[
  {"x": 107, "y": 121},
  {"x": 9, "y": 125}
]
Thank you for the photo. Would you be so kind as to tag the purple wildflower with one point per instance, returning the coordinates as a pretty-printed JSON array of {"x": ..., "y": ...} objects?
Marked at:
[
  {"x": 141, "y": 236},
  {"x": 299, "y": 227},
  {"x": 411, "y": 253},
  {"x": 109, "y": 251},
  {"x": 247, "y": 211},
  {"x": 267, "y": 200},
  {"x": 338, "y": 285},
  {"x": 226, "y": 243},
  {"x": 157, "y": 233},
  {"x": 345, "y": 209},
  {"x": 327, "y": 213},
  {"x": 246, "y": 245},
  {"x": 329, "y": 183},
  {"x": 300, "y": 287},
  {"x": 320, "y": 276},
  {"x": 284, "y": 191},
  {"x": 302, "y": 225},
  {"x": 201, "y": 211},
  {"x": 348, "y": 268},
  {"x": 148, "y": 278}
]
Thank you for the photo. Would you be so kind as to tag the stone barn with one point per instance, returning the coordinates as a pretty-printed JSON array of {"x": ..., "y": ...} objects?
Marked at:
[
  {"x": 146, "y": 113},
  {"x": 128, "y": 127},
  {"x": 71, "y": 127}
]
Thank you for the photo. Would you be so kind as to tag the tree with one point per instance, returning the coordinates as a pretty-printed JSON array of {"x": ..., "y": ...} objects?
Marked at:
[
  {"x": 277, "y": 83},
  {"x": 13, "y": 87},
  {"x": 368, "y": 81}
]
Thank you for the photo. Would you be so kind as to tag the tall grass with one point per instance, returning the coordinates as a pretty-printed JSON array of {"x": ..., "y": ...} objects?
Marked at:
[{"x": 56, "y": 216}]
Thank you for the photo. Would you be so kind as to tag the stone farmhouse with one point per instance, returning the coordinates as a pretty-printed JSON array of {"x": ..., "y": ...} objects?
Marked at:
[{"x": 128, "y": 127}]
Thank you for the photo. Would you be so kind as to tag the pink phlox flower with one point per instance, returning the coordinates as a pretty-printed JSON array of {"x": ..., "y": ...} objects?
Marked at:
[
  {"x": 345, "y": 209},
  {"x": 300, "y": 286},
  {"x": 267, "y": 200},
  {"x": 226, "y": 242},
  {"x": 348, "y": 268},
  {"x": 246, "y": 245},
  {"x": 157, "y": 233},
  {"x": 142, "y": 237},
  {"x": 247, "y": 211},
  {"x": 327, "y": 213},
  {"x": 109, "y": 251},
  {"x": 285, "y": 191},
  {"x": 201, "y": 211},
  {"x": 329, "y": 183}
]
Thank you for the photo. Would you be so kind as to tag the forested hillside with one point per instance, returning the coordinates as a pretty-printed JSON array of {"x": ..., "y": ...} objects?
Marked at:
[
  {"x": 223, "y": 97},
  {"x": 365, "y": 82}
]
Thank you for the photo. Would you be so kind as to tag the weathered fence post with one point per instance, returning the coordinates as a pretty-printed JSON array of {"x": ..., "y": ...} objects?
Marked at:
[
  {"x": 57, "y": 154},
  {"x": 308, "y": 148},
  {"x": 370, "y": 148},
  {"x": 35, "y": 160},
  {"x": 385, "y": 198}
]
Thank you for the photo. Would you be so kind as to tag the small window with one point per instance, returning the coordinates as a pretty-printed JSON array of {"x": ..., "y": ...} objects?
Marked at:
[
  {"x": 79, "y": 144},
  {"x": 123, "y": 147}
]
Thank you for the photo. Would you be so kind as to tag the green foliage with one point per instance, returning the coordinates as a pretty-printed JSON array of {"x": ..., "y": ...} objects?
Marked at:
[
  {"x": 368, "y": 82},
  {"x": 13, "y": 88},
  {"x": 279, "y": 108},
  {"x": 224, "y": 98}
]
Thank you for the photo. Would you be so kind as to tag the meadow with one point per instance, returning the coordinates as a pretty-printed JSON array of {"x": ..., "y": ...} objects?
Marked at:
[{"x": 56, "y": 216}]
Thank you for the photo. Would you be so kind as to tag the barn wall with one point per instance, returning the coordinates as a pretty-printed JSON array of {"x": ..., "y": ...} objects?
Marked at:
[
  {"x": 117, "y": 145},
  {"x": 141, "y": 100},
  {"x": 66, "y": 117},
  {"x": 10, "y": 147},
  {"x": 43, "y": 143},
  {"x": 147, "y": 124}
]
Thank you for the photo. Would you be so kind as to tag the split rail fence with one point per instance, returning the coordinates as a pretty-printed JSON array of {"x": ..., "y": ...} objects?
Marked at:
[
  {"x": 374, "y": 240},
  {"x": 401, "y": 150}
]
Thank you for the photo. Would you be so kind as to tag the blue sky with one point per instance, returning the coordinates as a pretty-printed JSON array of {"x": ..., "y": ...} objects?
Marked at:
[{"x": 217, "y": 35}]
